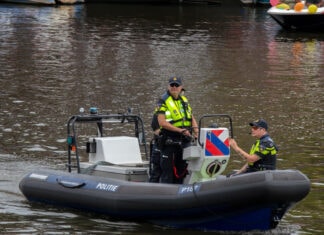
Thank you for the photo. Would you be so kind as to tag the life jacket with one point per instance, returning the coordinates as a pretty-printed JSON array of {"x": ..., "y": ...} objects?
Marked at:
[
  {"x": 267, "y": 151},
  {"x": 177, "y": 112}
]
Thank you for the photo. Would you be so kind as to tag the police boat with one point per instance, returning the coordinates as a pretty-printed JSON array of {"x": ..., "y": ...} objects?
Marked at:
[{"x": 108, "y": 174}]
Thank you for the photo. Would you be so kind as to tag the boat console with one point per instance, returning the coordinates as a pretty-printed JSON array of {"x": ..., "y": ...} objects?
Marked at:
[{"x": 208, "y": 157}]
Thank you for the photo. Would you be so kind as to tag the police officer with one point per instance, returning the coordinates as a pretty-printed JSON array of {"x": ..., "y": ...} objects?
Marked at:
[
  {"x": 263, "y": 153},
  {"x": 177, "y": 126},
  {"x": 155, "y": 153}
]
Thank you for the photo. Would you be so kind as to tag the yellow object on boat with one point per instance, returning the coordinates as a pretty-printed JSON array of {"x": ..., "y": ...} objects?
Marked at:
[
  {"x": 283, "y": 6},
  {"x": 312, "y": 8}
]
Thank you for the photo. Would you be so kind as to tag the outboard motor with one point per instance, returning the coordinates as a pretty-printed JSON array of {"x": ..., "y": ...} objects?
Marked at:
[{"x": 209, "y": 156}]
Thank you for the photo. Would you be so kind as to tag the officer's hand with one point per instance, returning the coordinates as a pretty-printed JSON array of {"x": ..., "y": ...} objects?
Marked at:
[
  {"x": 195, "y": 134},
  {"x": 233, "y": 143},
  {"x": 185, "y": 132}
]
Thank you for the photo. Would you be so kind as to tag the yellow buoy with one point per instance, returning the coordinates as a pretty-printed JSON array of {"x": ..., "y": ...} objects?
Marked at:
[{"x": 312, "y": 8}]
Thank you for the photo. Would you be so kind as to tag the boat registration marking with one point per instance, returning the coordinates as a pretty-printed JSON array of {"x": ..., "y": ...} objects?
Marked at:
[
  {"x": 38, "y": 176},
  {"x": 189, "y": 188},
  {"x": 107, "y": 187}
]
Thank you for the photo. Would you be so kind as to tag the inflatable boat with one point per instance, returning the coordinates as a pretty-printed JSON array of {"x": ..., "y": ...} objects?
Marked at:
[{"x": 114, "y": 181}]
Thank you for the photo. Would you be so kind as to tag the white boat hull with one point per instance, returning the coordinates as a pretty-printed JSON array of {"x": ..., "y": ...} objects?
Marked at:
[{"x": 303, "y": 20}]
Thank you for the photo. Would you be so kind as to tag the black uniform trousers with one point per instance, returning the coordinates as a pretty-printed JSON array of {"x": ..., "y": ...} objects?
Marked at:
[{"x": 173, "y": 167}]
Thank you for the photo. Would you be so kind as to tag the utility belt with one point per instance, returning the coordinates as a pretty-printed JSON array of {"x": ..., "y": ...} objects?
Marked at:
[
  {"x": 261, "y": 167},
  {"x": 168, "y": 138}
]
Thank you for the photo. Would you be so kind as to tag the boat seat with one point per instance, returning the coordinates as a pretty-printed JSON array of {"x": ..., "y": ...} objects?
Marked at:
[{"x": 118, "y": 150}]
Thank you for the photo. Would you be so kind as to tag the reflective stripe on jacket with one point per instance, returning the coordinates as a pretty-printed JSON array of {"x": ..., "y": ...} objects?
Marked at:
[
  {"x": 266, "y": 149},
  {"x": 177, "y": 112}
]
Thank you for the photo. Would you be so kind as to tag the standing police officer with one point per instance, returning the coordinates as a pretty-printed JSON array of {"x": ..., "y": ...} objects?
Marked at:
[{"x": 177, "y": 126}]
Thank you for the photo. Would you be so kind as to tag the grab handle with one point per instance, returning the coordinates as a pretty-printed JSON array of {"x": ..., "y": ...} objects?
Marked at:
[{"x": 70, "y": 184}]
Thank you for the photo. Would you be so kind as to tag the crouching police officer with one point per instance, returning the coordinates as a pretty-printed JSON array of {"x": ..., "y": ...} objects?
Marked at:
[{"x": 177, "y": 126}]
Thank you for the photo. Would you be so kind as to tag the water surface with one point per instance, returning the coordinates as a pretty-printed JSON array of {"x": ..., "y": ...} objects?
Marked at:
[{"x": 233, "y": 60}]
